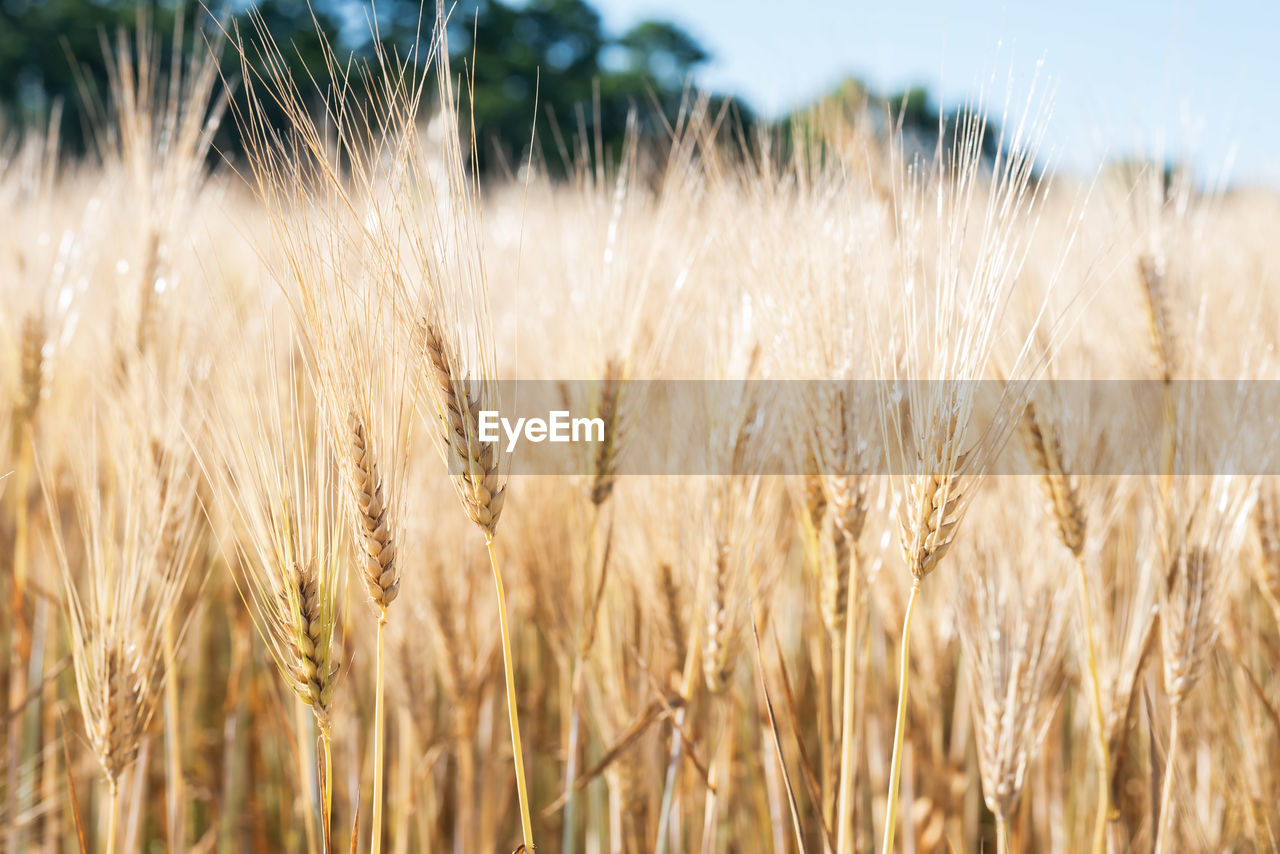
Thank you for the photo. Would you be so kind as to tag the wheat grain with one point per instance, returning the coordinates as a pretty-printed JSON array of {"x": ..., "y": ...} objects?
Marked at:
[
  {"x": 381, "y": 576},
  {"x": 1013, "y": 639},
  {"x": 473, "y": 464}
]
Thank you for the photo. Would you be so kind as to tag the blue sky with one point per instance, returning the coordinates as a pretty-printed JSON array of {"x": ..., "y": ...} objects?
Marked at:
[{"x": 1190, "y": 78}]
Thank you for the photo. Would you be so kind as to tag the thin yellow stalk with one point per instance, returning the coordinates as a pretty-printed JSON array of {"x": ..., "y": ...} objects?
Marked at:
[
  {"x": 709, "y": 809},
  {"x": 173, "y": 740},
  {"x": 673, "y": 763},
  {"x": 327, "y": 795},
  {"x": 19, "y": 636},
  {"x": 1166, "y": 791},
  {"x": 895, "y": 768},
  {"x": 722, "y": 729},
  {"x": 22, "y": 514},
  {"x": 1099, "y": 718},
  {"x": 1002, "y": 834},
  {"x": 526, "y": 825},
  {"x": 379, "y": 736},
  {"x": 830, "y": 763},
  {"x": 114, "y": 819},
  {"x": 50, "y": 776},
  {"x": 687, "y": 682},
  {"x": 577, "y": 687},
  {"x": 823, "y": 663},
  {"x": 303, "y": 721},
  {"x": 844, "y": 818}
]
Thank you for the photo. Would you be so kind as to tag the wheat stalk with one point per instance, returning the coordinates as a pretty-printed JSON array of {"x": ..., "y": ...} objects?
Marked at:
[
  {"x": 1207, "y": 529},
  {"x": 944, "y": 337},
  {"x": 1013, "y": 632},
  {"x": 844, "y": 462},
  {"x": 1065, "y": 508},
  {"x": 603, "y": 472},
  {"x": 453, "y": 336},
  {"x": 346, "y": 323},
  {"x": 138, "y": 536},
  {"x": 279, "y": 489}
]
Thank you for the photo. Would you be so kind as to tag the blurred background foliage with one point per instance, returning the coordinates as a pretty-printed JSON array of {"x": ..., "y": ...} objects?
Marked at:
[{"x": 587, "y": 80}]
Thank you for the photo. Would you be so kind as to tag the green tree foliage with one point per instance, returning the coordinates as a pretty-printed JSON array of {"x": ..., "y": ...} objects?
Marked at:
[
  {"x": 923, "y": 125},
  {"x": 586, "y": 80}
]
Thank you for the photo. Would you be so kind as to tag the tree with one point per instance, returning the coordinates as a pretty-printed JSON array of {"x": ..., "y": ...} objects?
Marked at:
[
  {"x": 558, "y": 50},
  {"x": 508, "y": 52}
]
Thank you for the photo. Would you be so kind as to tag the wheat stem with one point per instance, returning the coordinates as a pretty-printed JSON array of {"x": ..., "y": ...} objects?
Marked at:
[
  {"x": 526, "y": 826},
  {"x": 824, "y": 685},
  {"x": 379, "y": 736},
  {"x": 673, "y": 765},
  {"x": 19, "y": 637},
  {"x": 327, "y": 781},
  {"x": 303, "y": 720},
  {"x": 832, "y": 748},
  {"x": 114, "y": 819},
  {"x": 687, "y": 681},
  {"x": 21, "y": 526},
  {"x": 1002, "y": 834},
  {"x": 577, "y": 687},
  {"x": 173, "y": 741},
  {"x": 1166, "y": 790},
  {"x": 895, "y": 768},
  {"x": 709, "y": 811},
  {"x": 567, "y": 838},
  {"x": 844, "y": 833},
  {"x": 1099, "y": 719}
]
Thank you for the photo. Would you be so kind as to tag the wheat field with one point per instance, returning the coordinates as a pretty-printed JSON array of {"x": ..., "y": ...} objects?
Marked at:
[{"x": 269, "y": 587}]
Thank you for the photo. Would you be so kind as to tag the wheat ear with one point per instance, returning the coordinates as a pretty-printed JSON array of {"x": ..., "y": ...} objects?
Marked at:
[
  {"x": 1164, "y": 353},
  {"x": 137, "y": 555},
  {"x": 473, "y": 464},
  {"x": 381, "y": 575},
  {"x": 1198, "y": 549},
  {"x": 606, "y": 458},
  {"x": 311, "y": 668},
  {"x": 718, "y": 654}
]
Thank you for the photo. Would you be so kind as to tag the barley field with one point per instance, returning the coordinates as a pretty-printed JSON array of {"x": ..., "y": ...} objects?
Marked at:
[{"x": 860, "y": 550}]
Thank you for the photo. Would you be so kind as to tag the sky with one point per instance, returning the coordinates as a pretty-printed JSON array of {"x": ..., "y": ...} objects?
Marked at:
[{"x": 1195, "y": 80}]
